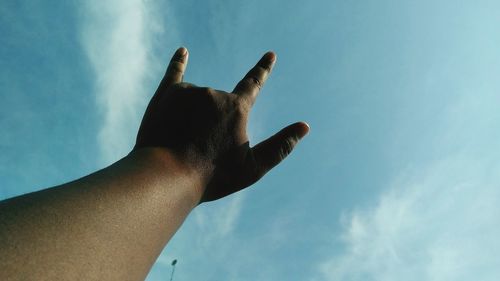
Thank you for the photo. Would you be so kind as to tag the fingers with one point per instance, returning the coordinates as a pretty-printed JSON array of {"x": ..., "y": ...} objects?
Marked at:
[
  {"x": 272, "y": 151},
  {"x": 176, "y": 68},
  {"x": 249, "y": 87}
]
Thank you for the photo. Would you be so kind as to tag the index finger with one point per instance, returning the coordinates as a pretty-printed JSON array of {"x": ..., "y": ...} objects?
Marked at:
[
  {"x": 253, "y": 81},
  {"x": 176, "y": 68}
]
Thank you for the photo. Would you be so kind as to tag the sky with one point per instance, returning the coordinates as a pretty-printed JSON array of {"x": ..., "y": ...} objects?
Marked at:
[{"x": 397, "y": 180}]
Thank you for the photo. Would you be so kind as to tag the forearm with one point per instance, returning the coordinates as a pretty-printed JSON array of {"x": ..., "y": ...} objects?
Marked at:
[{"x": 110, "y": 225}]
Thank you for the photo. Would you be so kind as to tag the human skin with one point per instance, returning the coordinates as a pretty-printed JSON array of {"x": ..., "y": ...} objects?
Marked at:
[{"x": 192, "y": 147}]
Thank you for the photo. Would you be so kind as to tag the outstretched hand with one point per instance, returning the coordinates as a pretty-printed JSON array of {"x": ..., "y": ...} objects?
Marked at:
[{"x": 206, "y": 128}]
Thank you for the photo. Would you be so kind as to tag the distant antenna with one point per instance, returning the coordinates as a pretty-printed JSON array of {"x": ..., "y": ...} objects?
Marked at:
[{"x": 174, "y": 262}]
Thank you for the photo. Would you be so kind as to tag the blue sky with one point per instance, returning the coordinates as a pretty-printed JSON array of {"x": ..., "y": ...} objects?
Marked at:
[{"x": 397, "y": 180}]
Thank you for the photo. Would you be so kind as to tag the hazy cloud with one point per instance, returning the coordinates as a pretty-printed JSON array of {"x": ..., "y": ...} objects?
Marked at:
[
  {"x": 439, "y": 222},
  {"x": 118, "y": 39}
]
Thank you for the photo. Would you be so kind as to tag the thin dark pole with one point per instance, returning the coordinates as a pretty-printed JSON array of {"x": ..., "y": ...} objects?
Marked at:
[{"x": 174, "y": 262}]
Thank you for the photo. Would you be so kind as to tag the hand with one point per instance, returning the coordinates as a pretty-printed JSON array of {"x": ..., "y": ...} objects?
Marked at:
[{"x": 206, "y": 128}]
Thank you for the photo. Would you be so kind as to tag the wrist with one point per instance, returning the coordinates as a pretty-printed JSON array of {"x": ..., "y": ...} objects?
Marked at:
[{"x": 160, "y": 162}]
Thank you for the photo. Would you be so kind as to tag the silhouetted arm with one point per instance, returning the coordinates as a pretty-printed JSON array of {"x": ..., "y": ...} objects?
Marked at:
[{"x": 111, "y": 225}]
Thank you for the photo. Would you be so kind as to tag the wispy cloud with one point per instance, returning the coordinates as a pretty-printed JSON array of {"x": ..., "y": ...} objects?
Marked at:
[
  {"x": 118, "y": 39},
  {"x": 219, "y": 221},
  {"x": 440, "y": 222}
]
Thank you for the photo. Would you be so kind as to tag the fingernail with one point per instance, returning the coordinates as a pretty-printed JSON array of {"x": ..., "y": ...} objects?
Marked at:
[
  {"x": 304, "y": 130},
  {"x": 182, "y": 51},
  {"x": 270, "y": 56}
]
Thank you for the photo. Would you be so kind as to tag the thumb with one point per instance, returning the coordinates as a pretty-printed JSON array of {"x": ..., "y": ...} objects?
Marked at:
[{"x": 273, "y": 150}]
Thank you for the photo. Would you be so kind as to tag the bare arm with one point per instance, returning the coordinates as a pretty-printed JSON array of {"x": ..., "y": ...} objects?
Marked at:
[
  {"x": 110, "y": 225},
  {"x": 192, "y": 147}
]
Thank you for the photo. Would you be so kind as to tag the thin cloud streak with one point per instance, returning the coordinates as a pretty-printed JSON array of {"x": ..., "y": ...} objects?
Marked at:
[
  {"x": 219, "y": 221},
  {"x": 117, "y": 38}
]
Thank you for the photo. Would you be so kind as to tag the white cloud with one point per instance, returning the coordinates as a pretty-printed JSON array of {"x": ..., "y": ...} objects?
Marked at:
[
  {"x": 217, "y": 221},
  {"x": 225, "y": 217},
  {"x": 439, "y": 223},
  {"x": 118, "y": 39}
]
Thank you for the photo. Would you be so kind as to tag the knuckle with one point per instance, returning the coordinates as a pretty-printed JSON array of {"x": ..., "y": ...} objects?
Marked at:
[
  {"x": 175, "y": 67},
  {"x": 185, "y": 85},
  {"x": 241, "y": 106},
  {"x": 206, "y": 90},
  {"x": 257, "y": 82},
  {"x": 240, "y": 110},
  {"x": 246, "y": 82},
  {"x": 178, "y": 58},
  {"x": 238, "y": 103},
  {"x": 266, "y": 68},
  {"x": 287, "y": 147},
  {"x": 251, "y": 81},
  {"x": 208, "y": 95}
]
